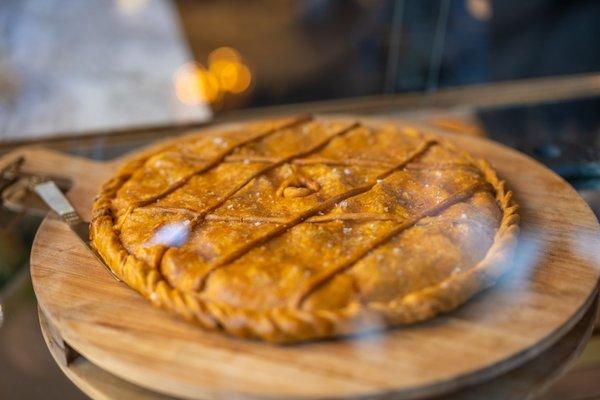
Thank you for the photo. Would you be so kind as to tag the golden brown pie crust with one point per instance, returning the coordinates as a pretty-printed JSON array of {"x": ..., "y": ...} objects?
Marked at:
[{"x": 302, "y": 228}]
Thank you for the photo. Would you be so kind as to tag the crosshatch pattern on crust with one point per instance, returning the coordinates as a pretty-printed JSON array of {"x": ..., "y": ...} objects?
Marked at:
[{"x": 304, "y": 228}]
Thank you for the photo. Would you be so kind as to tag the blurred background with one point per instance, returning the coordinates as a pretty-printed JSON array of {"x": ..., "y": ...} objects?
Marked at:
[
  {"x": 314, "y": 50},
  {"x": 98, "y": 78}
]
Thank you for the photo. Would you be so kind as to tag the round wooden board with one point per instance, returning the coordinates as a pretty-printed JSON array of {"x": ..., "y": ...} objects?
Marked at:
[
  {"x": 553, "y": 283},
  {"x": 524, "y": 382}
]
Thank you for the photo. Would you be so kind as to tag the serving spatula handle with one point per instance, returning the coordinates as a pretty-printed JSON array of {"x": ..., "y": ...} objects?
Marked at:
[{"x": 58, "y": 202}]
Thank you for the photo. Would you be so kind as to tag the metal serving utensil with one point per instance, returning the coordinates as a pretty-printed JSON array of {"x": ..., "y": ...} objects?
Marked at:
[{"x": 56, "y": 200}]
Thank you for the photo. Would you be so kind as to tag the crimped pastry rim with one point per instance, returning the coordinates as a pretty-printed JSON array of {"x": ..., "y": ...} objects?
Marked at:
[{"x": 286, "y": 325}]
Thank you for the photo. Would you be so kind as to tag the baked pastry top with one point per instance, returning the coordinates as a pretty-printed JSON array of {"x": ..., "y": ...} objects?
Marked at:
[{"x": 304, "y": 228}]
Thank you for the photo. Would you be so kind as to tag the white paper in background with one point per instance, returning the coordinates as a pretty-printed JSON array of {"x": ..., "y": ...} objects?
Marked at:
[{"x": 72, "y": 66}]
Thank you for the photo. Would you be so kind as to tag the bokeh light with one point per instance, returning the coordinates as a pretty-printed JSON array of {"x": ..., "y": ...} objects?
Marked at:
[
  {"x": 196, "y": 85},
  {"x": 234, "y": 77},
  {"x": 227, "y": 66},
  {"x": 224, "y": 54},
  {"x": 226, "y": 73}
]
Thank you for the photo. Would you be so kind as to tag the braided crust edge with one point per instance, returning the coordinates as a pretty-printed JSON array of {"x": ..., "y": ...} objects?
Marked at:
[{"x": 288, "y": 325}]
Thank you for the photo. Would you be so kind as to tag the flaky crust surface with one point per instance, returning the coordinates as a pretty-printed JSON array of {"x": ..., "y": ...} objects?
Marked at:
[{"x": 320, "y": 305}]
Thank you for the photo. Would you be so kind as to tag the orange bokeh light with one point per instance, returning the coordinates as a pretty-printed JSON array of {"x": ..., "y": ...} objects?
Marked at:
[
  {"x": 223, "y": 54},
  {"x": 233, "y": 77},
  {"x": 226, "y": 73},
  {"x": 195, "y": 85}
]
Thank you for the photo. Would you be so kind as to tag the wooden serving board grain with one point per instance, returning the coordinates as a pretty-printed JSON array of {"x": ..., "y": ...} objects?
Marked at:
[
  {"x": 551, "y": 287},
  {"x": 526, "y": 381}
]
